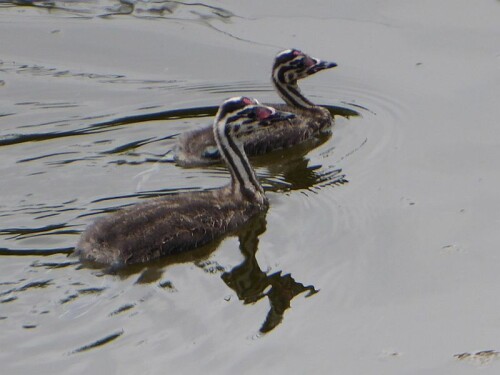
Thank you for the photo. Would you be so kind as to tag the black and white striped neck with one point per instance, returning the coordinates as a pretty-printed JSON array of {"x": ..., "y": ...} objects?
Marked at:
[
  {"x": 243, "y": 179},
  {"x": 290, "y": 91}
]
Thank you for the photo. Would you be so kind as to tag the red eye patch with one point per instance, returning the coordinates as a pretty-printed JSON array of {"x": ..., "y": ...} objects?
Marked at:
[
  {"x": 247, "y": 101},
  {"x": 297, "y": 53},
  {"x": 263, "y": 113},
  {"x": 308, "y": 62}
]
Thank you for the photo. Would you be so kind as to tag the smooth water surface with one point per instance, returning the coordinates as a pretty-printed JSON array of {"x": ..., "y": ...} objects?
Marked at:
[{"x": 379, "y": 252}]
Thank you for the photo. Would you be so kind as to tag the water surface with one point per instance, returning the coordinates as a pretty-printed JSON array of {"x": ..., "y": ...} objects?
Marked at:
[{"x": 378, "y": 254}]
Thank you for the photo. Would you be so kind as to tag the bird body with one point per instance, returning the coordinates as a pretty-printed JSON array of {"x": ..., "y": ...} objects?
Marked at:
[
  {"x": 198, "y": 147},
  {"x": 185, "y": 221},
  {"x": 149, "y": 230}
]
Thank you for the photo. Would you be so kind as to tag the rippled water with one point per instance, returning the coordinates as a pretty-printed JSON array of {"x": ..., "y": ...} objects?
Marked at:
[{"x": 378, "y": 253}]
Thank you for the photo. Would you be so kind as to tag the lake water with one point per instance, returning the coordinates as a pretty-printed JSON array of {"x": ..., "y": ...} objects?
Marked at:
[{"x": 379, "y": 253}]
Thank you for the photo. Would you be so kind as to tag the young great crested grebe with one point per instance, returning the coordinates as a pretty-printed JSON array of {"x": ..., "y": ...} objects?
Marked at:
[
  {"x": 198, "y": 147},
  {"x": 181, "y": 222}
]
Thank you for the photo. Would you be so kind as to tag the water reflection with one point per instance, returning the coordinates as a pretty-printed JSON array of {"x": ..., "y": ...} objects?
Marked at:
[
  {"x": 103, "y": 341},
  {"x": 247, "y": 280},
  {"x": 105, "y": 126},
  {"x": 135, "y": 8},
  {"x": 290, "y": 169},
  {"x": 279, "y": 171},
  {"x": 59, "y": 222},
  {"x": 252, "y": 284}
]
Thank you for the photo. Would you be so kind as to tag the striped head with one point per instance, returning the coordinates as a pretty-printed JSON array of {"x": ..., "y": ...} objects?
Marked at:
[
  {"x": 240, "y": 116},
  {"x": 291, "y": 65},
  {"x": 235, "y": 117}
]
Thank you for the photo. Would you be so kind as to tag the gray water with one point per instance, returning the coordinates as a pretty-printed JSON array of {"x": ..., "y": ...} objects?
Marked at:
[{"x": 379, "y": 252}]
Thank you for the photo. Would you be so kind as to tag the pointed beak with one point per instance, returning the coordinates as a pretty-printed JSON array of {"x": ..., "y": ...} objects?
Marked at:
[
  {"x": 278, "y": 116},
  {"x": 320, "y": 65}
]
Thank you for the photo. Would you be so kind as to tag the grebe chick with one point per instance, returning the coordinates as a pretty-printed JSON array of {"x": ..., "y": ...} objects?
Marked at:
[
  {"x": 198, "y": 147},
  {"x": 181, "y": 222}
]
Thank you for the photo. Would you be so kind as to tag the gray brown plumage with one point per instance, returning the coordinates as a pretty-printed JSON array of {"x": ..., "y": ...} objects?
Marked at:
[
  {"x": 181, "y": 222},
  {"x": 198, "y": 147}
]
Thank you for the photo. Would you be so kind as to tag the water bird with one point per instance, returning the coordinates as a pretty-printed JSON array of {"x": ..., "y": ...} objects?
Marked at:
[
  {"x": 184, "y": 221},
  {"x": 198, "y": 147}
]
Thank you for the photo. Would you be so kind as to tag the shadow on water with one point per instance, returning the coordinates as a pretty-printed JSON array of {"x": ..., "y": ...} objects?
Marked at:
[
  {"x": 252, "y": 284},
  {"x": 280, "y": 171},
  {"x": 289, "y": 170},
  {"x": 136, "y": 8},
  {"x": 104, "y": 126},
  {"x": 35, "y": 252},
  {"x": 98, "y": 343},
  {"x": 247, "y": 280},
  {"x": 170, "y": 115}
]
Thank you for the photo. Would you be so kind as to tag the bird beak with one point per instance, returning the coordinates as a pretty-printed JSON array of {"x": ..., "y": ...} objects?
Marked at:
[
  {"x": 278, "y": 116},
  {"x": 320, "y": 65}
]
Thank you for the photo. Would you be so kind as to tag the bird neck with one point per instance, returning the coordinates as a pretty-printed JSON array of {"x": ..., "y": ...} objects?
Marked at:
[
  {"x": 290, "y": 92},
  {"x": 243, "y": 180}
]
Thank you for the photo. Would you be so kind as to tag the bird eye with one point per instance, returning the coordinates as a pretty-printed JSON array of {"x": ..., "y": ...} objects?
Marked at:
[
  {"x": 308, "y": 61},
  {"x": 298, "y": 62},
  {"x": 247, "y": 101},
  {"x": 263, "y": 113}
]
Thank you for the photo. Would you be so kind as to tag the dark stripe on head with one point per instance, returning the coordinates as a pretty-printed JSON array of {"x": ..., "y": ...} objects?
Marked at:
[
  {"x": 239, "y": 115},
  {"x": 285, "y": 56},
  {"x": 280, "y": 74},
  {"x": 243, "y": 176},
  {"x": 234, "y": 105},
  {"x": 232, "y": 118}
]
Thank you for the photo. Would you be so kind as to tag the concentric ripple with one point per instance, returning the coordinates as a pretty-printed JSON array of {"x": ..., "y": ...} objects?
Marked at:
[{"x": 87, "y": 166}]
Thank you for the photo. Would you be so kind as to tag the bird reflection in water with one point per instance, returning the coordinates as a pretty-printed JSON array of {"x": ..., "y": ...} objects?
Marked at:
[
  {"x": 247, "y": 280},
  {"x": 290, "y": 170},
  {"x": 280, "y": 171},
  {"x": 252, "y": 284}
]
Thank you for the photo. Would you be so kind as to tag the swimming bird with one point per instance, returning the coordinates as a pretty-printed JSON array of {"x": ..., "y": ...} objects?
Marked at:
[
  {"x": 198, "y": 147},
  {"x": 184, "y": 221}
]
